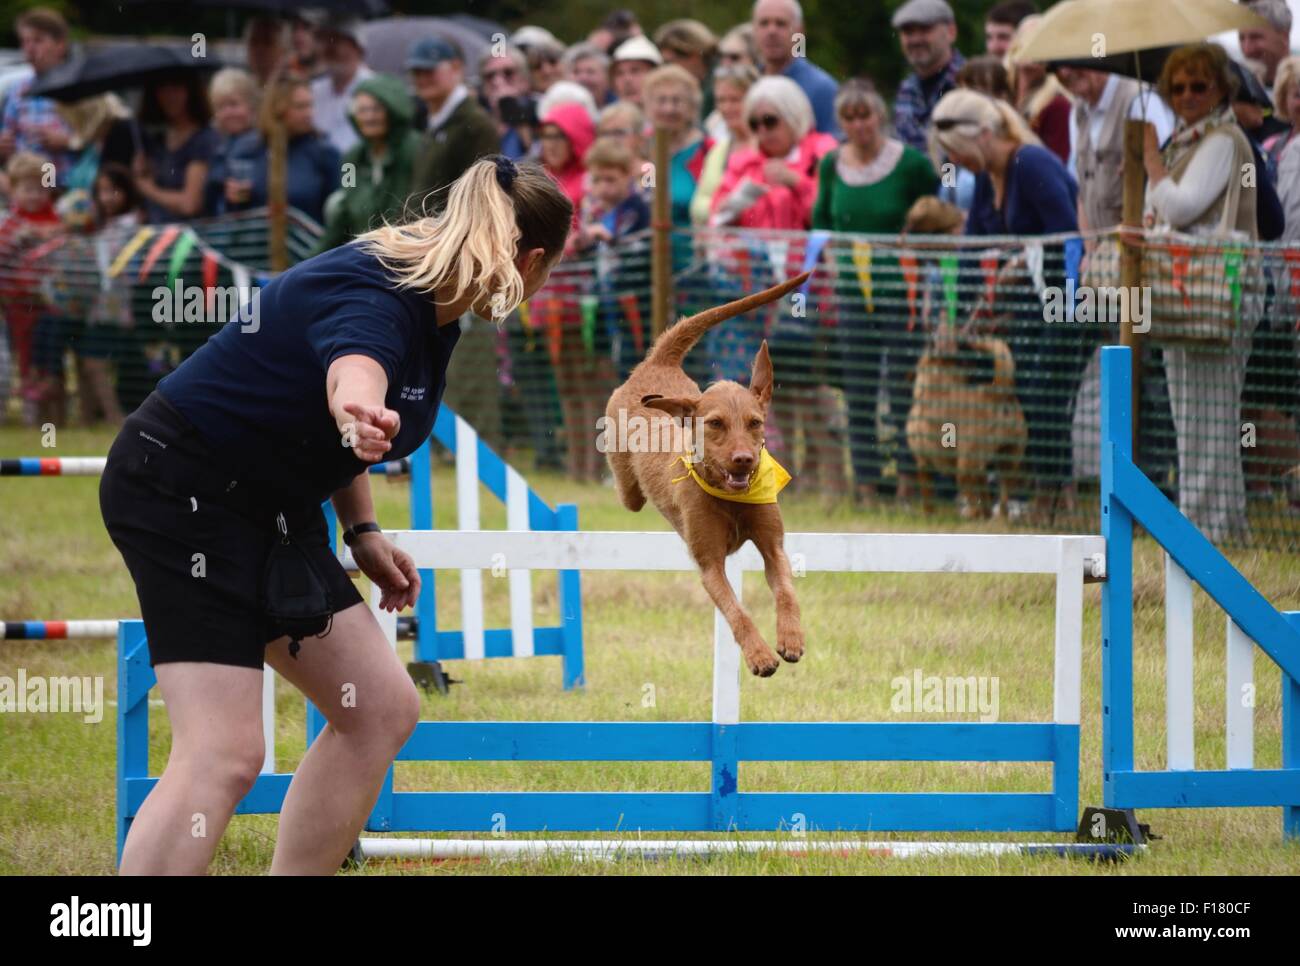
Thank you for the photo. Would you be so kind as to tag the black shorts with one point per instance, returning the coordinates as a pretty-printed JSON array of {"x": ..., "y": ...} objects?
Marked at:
[{"x": 195, "y": 539}]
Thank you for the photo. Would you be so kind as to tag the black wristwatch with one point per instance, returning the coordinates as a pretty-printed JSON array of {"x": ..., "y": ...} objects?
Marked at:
[{"x": 351, "y": 533}]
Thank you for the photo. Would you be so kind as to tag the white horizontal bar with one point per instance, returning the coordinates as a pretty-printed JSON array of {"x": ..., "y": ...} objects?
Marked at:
[
  {"x": 375, "y": 848},
  {"x": 823, "y": 552}
]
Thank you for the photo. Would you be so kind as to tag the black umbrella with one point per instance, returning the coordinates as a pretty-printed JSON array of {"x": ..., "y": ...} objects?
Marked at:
[
  {"x": 116, "y": 68},
  {"x": 1144, "y": 65}
]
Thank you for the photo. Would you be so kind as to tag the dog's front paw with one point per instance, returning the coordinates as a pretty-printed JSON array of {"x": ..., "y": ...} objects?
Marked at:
[
  {"x": 789, "y": 642},
  {"x": 762, "y": 661}
]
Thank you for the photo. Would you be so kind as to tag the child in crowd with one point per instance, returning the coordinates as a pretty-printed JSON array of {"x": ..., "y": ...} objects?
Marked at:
[
  {"x": 624, "y": 122},
  {"x": 117, "y": 215},
  {"x": 611, "y": 210},
  {"x": 30, "y": 221},
  {"x": 930, "y": 216}
]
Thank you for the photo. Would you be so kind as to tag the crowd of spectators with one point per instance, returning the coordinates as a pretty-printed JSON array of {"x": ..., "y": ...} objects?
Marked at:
[{"x": 760, "y": 137}]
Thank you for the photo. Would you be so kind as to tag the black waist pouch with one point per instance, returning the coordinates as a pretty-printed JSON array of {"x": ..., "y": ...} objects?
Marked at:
[{"x": 294, "y": 596}]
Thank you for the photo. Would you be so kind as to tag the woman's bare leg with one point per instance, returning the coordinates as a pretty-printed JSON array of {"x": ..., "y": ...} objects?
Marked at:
[
  {"x": 356, "y": 680},
  {"x": 216, "y": 754}
]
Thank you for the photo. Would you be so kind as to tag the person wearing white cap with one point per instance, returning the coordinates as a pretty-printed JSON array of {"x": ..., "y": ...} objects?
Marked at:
[
  {"x": 634, "y": 58},
  {"x": 775, "y": 24},
  {"x": 343, "y": 57},
  {"x": 928, "y": 33},
  {"x": 530, "y": 35}
]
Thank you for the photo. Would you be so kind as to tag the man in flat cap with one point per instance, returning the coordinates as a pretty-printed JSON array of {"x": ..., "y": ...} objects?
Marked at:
[{"x": 928, "y": 33}]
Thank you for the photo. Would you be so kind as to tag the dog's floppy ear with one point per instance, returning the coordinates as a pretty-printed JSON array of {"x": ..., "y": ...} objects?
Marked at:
[
  {"x": 673, "y": 405},
  {"x": 760, "y": 380}
]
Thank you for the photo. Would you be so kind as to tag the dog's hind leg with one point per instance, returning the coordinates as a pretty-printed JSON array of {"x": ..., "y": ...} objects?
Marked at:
[
  {"x": 761, "y": 659},
  {"x": 629, "y": 490}
]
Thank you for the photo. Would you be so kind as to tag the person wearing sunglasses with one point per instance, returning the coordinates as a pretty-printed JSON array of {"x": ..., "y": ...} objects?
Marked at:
[
  {"x": 737, "y": 48},
  {"x": 773, "y": 184},
  {"x": 1191, "y": 189},
  {"x": 1022, "y": 189},
  {"x": 504, "y": 89}
]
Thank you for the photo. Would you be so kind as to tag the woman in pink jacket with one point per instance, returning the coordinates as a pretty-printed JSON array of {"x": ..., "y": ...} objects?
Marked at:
[
  {"x": 583, "y": 376},
  {"x": 773, "y": 182}
]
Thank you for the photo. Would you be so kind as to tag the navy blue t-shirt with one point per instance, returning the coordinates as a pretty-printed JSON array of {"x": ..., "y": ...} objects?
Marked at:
[
  {"x": 1041, "y": 198},
  {"x": 258, "y": 396}
]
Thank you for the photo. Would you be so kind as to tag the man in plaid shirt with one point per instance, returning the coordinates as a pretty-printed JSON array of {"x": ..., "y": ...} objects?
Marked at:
[
  {"x": 928, "y": 32},
  {"x": 32, "y": 123}
]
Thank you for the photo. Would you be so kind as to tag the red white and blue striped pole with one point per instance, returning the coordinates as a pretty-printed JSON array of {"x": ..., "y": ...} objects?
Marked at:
[
  {"x": 81, "y": 630},
  {"x": 94, "y": 466}
]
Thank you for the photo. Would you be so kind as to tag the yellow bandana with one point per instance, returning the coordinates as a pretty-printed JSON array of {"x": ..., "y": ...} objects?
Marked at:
[{"x": 768, "y": 480}]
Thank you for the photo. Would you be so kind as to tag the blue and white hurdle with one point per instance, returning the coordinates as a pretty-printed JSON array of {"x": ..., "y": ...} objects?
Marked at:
[
  {"x": 1129, "y": 498},
  {"x": 725, "y": 741},
  {"x": 477, "y": 463}
]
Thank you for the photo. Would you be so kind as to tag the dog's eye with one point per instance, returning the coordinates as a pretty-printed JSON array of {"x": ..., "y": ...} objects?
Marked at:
[
  {"x": 755, "y": 424},
  {"x": 713, "y": 423}
]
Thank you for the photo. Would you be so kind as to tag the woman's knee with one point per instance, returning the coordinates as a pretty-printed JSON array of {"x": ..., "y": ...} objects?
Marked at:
[
  {"x": 388, "y": 716},
  {"x": 229, "y": 766}
]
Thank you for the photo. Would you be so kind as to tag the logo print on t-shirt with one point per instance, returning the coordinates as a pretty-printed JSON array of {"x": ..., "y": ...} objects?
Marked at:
[{"x": 414, "y": 393}]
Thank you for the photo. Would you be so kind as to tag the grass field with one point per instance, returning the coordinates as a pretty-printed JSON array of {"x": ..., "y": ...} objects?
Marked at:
[{"x": 647, "y": 634}]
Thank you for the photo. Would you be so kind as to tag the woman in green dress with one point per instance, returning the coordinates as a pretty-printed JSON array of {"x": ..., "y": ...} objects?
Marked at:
[{"x": 867, "y": 186}]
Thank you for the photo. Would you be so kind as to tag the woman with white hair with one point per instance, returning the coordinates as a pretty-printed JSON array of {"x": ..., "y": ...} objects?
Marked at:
[
  {"x": 1023, "y": 189},
  {"x": 1286, "y": 104},
  {"x": 773, "y": 183}
]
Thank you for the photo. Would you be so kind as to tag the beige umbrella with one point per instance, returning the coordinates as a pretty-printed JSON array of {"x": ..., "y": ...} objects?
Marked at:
[
  {"x": 1077, "y": 29},
  {"x": 1097, "y": 28}
]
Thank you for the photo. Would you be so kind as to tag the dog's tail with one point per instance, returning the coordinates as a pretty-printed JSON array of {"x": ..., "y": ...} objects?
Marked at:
[
  {"x": 671, "y": 347},
  {"x": 1004, "y": 366}
]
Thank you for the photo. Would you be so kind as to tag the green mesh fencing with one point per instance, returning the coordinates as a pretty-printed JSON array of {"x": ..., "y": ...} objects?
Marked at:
[{"x": 944, "y": 373}]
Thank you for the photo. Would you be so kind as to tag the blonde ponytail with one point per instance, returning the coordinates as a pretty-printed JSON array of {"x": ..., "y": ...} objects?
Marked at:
[{"x": 494, "y": 211}]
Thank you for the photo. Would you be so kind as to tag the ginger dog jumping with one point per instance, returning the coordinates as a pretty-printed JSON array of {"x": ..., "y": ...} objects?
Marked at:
[{"x": 728, "y": 496}]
